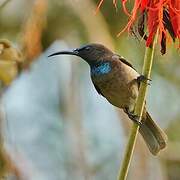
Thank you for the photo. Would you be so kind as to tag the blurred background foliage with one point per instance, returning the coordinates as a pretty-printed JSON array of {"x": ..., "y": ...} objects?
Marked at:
[{"x": 53, "y": 123}]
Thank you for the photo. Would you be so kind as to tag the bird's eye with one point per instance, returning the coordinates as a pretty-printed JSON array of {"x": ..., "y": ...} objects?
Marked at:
[
  {"x": 84, "y": 48},
  {"x": 87, "y": 48}
]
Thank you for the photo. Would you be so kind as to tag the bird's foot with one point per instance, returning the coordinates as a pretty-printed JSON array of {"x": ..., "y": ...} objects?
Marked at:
[
  {"x": 133, "y": 117},
  {"x": 143, "y": 79}
]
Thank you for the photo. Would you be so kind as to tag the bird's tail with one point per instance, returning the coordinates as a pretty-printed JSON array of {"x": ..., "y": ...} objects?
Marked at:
[{"x": 153, "y": 135}]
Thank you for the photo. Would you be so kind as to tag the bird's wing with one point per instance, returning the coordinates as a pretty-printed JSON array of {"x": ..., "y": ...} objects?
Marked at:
[
  {"x": 123, "y": 60},
  {"x": 98, "y": 90}
]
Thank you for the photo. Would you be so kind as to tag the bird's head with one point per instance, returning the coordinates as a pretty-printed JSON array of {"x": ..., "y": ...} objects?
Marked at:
[{"x": 91, "y": 53}]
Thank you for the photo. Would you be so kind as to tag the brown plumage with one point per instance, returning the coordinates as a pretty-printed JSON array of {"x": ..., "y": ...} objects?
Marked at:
[{"x": 116, "y": 80}]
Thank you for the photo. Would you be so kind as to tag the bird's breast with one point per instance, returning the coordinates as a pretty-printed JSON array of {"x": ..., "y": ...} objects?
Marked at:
[{"x": 117, "y": 86}]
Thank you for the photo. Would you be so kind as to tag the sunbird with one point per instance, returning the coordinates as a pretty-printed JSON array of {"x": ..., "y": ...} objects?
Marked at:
[{"x": 117, "y": 80}]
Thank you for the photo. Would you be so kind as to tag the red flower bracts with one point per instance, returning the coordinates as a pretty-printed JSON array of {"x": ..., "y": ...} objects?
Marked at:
[{"x": 155, "y": 15}]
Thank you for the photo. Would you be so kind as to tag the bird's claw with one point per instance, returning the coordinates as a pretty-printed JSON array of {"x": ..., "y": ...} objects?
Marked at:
[
  {"x": 133, "y": 117},
  {"x": 143, "y": 79}
]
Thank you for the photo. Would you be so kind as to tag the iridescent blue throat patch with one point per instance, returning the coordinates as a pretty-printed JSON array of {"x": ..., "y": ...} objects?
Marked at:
[{"x": 103, "y": 68}]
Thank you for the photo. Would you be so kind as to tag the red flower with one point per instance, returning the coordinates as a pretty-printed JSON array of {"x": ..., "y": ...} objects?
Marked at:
[
  {"x": 157, "y": 15},
  {"x": 174, "y": 12}
]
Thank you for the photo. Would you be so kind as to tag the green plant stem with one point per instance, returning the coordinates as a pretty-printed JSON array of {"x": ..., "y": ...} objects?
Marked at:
[{"x": 148, "y": 60}]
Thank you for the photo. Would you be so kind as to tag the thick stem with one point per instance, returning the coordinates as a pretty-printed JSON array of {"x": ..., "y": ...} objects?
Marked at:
[{"x": 148, "y": 59}]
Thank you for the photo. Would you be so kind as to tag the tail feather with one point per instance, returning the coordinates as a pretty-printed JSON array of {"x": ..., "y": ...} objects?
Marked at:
[{"x": 153, "y": 135}]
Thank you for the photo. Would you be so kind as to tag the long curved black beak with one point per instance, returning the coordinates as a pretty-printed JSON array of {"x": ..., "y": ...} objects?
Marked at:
[{"x": 73, "y": 52}]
